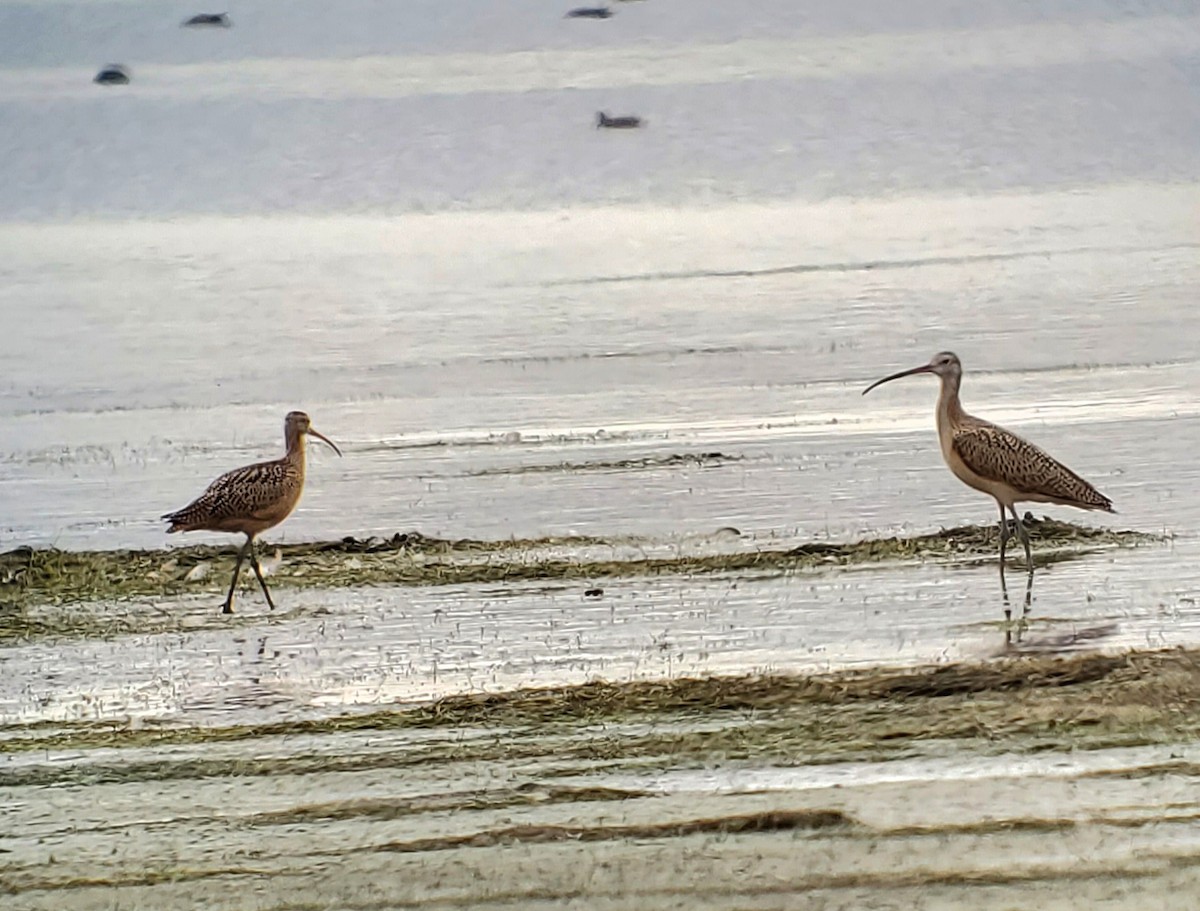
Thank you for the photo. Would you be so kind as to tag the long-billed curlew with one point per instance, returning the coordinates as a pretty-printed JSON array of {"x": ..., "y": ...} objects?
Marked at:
[
  {"x": 996, "y": 461},
  {"x": 251, "y": 499}
]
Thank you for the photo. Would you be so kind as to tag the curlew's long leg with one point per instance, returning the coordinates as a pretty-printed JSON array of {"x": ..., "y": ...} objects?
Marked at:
[
  {"x": 1024, "y": 537},
  {"x": 227, "y": 607},
  {"x": 1003, "y": 534},
  {"x": 258, "y": 572}
]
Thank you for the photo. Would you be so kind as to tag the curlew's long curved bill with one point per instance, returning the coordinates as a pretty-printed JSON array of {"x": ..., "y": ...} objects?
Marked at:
[
  {"x": 924, "y": 368},
  {"x": 324, "y": 439}
]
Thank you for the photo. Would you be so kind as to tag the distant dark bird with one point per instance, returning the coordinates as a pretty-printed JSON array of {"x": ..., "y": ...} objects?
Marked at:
[
  {"x": 113, "y": 74},
  {"x": 218, "y": 20},
  {"x": 251, "y": 499},
  {"x": 617, "y": 123},
  {"x": 589, "y": 12}
]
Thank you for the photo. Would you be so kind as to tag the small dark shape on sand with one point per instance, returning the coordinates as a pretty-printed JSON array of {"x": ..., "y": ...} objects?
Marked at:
[
  {"x": 590, "y": 12},
  {"x": 594, "y": 593},
  {"x": 113, "y": 74},
  {"x": 617, "y": 123},
  {"x": 217, "y": 20}
]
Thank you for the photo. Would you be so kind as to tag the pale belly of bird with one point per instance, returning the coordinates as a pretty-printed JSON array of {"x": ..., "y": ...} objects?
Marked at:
[{"x": 998, "y": 489}]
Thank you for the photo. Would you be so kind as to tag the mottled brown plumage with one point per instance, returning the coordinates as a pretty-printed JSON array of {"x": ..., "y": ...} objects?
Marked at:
[
  {"x": 999, "y": 455},
  {"x": 251, "y": 499},
  {"x": 997, "y": 461}
]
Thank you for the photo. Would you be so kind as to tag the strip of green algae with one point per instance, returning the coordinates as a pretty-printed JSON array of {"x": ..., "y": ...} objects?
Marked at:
[
  {"x": 1017, "y": 704},
  {"x": 697, "y": 460},
  {"x": 30, "y": 576}
]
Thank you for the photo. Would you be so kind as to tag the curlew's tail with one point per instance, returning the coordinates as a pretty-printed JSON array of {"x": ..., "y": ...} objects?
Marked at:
[
  {"x": 1093, "y": 500},
  {"x": 1099, "y": 501},
  {"x": 185, "y": 519}
]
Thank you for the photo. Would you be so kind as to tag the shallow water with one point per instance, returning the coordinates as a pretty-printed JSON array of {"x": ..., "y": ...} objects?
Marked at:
[
  {"x": 330, "y": 651},
  {"x": 443, "y": 392}
]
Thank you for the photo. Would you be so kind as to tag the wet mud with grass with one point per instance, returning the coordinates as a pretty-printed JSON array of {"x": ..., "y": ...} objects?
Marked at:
[
  {"x": 502, "y": 798},
  {"x": 779, "y": 821},
  {"x": 47, "y": 576},
  {"x": 659, "y": 791},
  {"x": 671, "y": 460},
  {"x": 1023, "y": 703}
]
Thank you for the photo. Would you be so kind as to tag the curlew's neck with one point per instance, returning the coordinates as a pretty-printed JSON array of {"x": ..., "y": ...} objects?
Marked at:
[
  {"x": 949, "y": 409},
  {"x": 295, "y": 446}
]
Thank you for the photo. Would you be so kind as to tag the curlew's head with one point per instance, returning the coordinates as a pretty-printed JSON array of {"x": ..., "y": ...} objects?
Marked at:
[
  {"x": 297, "y": 423},
  {"x": 944, "y": 364}
]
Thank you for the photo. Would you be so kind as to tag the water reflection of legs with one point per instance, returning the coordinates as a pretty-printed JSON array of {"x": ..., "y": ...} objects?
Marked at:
[{"x": 1023, "y": 623}]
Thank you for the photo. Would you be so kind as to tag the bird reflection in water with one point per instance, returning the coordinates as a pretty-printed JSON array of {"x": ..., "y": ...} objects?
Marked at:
[{"x": 1022, "y": 624}]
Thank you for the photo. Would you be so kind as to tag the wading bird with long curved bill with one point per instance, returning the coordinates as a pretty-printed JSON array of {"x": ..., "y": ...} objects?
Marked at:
[
  {"x": 996, "y": 461},
  {"x": 251, "y": 499}
]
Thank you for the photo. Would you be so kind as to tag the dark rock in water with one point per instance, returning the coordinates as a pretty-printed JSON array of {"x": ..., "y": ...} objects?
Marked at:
[
  {"x": 113, "y": 74},
  {"x": 617, "y": 123},
  {"x": 590, "y": 12},
  {"x": 216, "y": 20}
]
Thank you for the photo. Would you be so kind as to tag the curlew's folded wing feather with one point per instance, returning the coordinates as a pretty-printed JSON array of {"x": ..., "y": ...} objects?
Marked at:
[
  {"x": 1000, "y": 455},
  {"x": 242, "y": 492}
]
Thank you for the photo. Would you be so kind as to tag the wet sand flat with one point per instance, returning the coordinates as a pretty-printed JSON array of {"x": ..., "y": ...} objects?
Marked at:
[{"x": 1035, "y": 778}]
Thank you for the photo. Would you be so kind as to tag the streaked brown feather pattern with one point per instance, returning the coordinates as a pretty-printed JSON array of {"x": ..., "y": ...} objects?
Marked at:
[
  {"x": 252, "y": 491},
  {"x": 1000, "y": 455}
]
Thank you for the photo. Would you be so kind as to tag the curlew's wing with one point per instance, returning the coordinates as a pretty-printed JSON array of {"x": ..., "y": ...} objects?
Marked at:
[
  {"x": 239, "y": 493},
  {"x": 1000, "y": 455}
]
